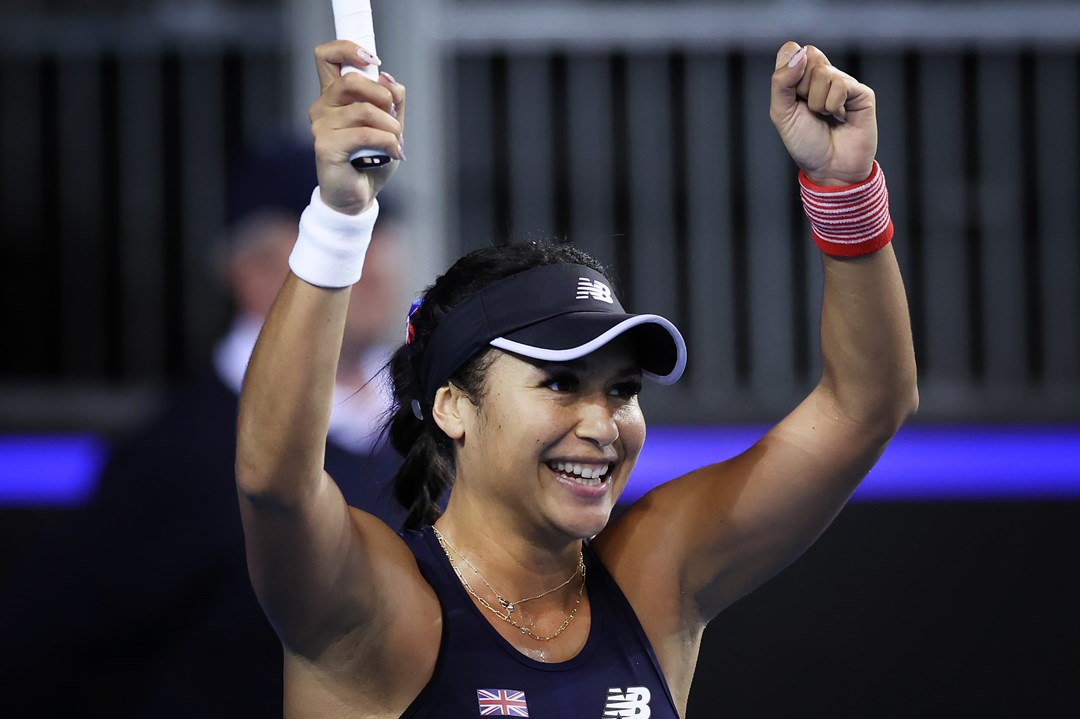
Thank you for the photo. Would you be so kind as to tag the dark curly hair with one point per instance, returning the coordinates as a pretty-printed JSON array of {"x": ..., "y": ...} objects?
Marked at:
[{"x": 428, "y": 469}]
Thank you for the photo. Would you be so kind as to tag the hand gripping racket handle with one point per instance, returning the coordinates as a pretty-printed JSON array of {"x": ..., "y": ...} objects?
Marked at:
[{"x": 352, "y": 21}]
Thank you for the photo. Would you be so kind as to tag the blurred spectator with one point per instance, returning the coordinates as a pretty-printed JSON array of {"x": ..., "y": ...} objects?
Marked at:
[{"x": 140, "y": 606}]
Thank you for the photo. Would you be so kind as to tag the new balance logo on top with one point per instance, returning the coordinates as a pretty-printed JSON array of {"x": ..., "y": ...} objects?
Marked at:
[
  {"x": 634, "y": 702},
  {"x": 593, "y": 289}
]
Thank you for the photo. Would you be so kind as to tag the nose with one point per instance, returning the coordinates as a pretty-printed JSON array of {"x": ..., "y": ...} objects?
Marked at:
[{"x": 596, "y": 422}]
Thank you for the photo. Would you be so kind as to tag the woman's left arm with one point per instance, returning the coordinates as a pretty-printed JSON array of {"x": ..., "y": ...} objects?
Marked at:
[{"x": 733, "y": 525}]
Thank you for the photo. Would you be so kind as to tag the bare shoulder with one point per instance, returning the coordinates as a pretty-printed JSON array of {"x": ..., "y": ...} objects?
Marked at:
[
  {"x": 640, "y": 549},
  {"x": 640, "y": 538},
  {"x": 380, "y": 666},
  {"x": 395, "y": 567}
]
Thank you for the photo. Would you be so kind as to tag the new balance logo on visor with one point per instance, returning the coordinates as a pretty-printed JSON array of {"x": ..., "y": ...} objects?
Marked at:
[
  {"x": 593, "y": 290},
  {"x": 634, "y": 702}
]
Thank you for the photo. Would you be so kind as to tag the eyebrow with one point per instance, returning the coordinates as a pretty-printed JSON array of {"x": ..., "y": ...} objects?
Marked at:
[{"x": 582, "y": 365}]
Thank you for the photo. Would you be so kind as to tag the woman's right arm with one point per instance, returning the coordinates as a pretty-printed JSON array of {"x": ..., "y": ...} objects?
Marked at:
[{"x": 318, "y": 567}]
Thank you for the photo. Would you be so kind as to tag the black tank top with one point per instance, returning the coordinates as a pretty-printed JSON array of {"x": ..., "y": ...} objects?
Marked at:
[{"x": 478, "y": 673}]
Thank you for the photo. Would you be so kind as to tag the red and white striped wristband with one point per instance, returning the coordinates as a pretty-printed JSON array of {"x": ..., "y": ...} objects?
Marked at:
[{"x": 851, "y": 220}]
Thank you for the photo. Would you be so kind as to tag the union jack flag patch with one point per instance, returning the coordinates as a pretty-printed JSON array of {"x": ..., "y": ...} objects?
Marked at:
[{"x": 502, "y": 703}]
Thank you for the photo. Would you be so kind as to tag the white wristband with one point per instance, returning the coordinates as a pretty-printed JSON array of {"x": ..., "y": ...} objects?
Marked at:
[{"x": 331, "y": 245}]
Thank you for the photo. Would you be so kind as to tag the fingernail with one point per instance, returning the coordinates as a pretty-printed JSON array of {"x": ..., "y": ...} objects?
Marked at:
[
  {"x": 389, "y": 77},
  {"x": 393, "y": 110},
  {"x": 797, "y": 57},
  {"x": 838, "y": 118},
  {"x": 401, "y": 153},
  {"x": 368, "y": 57}
]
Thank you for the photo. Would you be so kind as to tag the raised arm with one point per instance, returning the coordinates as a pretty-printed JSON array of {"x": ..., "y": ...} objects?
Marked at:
[
  {"x": 733, "y": 525},
  {"x": 309, "y": 555}
]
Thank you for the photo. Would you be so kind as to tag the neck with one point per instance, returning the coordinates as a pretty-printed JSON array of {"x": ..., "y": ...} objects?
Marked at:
[
  {"x": 515, "y": 565},
  {"x": 546, "y": 616}
]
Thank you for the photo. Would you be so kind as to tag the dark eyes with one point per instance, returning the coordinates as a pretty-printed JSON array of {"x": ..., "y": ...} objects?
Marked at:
[
  {"x": 566, "y": 382},
  {"x": 627, "y": 390},
  {"x": 563, "y": 382}
]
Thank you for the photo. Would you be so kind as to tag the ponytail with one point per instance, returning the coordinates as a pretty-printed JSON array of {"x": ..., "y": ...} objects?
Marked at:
[
  {"x": 421, "y": 482},
  {"x": 424, "y": 475},
  {"x": 427, "y": 471}
]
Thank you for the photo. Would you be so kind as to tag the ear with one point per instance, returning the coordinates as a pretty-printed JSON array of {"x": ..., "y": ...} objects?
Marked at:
[{"x": 451, "y": 410}]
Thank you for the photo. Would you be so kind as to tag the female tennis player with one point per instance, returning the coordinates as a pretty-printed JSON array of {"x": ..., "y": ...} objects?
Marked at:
[{"x": 517, "y": 411}]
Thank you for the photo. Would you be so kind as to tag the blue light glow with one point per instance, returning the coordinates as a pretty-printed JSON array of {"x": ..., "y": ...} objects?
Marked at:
[
  {"x": 922, "y": 463},
  {"x": 49, "y": 471}
]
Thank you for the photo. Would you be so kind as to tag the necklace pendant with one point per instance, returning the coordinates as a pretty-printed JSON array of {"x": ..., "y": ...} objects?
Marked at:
[{"x": 509, "y": 606}]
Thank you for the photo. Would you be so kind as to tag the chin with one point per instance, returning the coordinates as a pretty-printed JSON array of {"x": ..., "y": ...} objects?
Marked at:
[
  {"x": 581, "y": 511},
  {"x": 585, "y": 524}
]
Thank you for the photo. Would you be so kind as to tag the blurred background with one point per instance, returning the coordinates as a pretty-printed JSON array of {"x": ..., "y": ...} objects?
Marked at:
[{"x": 639, "y": 131}]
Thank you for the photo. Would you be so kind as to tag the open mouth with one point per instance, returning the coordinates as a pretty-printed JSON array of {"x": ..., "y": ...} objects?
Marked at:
[{"x": 588, "y": 475}]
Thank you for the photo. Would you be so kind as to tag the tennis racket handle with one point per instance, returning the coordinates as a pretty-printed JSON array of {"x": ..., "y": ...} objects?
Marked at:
[{"x": 353, "y": 21}]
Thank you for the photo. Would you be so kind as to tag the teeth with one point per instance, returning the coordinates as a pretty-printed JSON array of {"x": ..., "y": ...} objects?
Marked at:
[{"x": 591, "y": 475}]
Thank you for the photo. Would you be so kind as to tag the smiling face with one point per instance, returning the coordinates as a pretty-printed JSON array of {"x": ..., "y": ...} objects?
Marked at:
[{"x": 550, "y": 446}]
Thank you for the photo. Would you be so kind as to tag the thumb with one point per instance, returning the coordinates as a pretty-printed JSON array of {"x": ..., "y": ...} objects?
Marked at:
[
  {"x": 787, "y": 53},
  {"x": 790, "y": 68}
]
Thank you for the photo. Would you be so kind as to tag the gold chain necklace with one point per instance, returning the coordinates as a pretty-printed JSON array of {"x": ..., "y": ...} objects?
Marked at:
[{"x": 507, "y": 606}]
